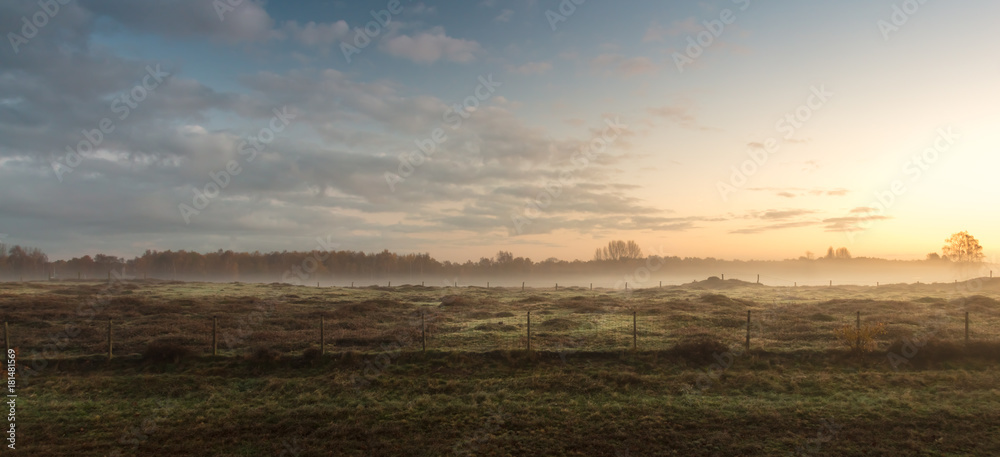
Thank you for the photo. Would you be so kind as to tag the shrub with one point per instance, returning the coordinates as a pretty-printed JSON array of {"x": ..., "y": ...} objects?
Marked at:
[
  {"x": 165, "y": 351},
  {"x": 311, "y": 354},
  {"x": 262, "y": 355},
  {"x": 860, "y": 340},
  {"x": 699, "y": 349}
]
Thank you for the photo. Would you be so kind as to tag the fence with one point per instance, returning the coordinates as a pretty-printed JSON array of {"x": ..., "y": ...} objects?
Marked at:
[{"x": 363, "y": 330}]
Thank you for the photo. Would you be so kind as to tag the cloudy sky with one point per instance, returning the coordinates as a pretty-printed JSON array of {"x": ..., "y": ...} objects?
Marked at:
[{"x": 730, "y": 128}]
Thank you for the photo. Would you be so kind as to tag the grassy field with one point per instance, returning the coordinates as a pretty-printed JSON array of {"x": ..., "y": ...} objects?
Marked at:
[{"x": 690, "y": 387}]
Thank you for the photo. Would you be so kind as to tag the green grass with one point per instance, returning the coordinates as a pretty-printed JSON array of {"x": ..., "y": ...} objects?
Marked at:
[{"x": 513, "y": 404}]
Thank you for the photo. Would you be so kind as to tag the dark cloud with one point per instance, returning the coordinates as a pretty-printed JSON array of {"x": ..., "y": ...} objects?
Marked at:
[
  {"x": 793, "y": 192},
  {"x": 773, "y": 227},
  {"x": 852, "y": 223},
  {"x": 246, "y": 22}
]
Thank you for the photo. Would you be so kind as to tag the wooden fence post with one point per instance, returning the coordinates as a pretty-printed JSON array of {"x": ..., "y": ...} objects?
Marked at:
[
  {"x": 322, "y": 336},
  {"x": 635, "y": 333},
  {"x": 529, "y": 331},
  {"x": 758, "y": 279},
  {"x": 109, "y": 339},
  {"x": 859, "y": 331},
  {"x": 215, "y": 338},
  {"x": 748, "y": 329},
  {"x": 423, "y": 333},
  {"x": 966, "y": 328},
  {"x": 522, "y": 286}
]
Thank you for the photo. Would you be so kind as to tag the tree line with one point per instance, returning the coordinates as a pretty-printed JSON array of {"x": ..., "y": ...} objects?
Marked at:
[{"x": 302, "y": 266}]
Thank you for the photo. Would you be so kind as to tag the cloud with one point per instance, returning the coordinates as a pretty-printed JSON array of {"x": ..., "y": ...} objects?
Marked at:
[
  {"x": 432, "y": 46},
  {"x": 247, "y": 22},
  {"x": 773, "y": 227},
  {"x": 531, "y": 68},
  {"x": 504, "y": 16},
  {"x": 622, "y": 65},
  {"x": 326, "y": 170},
  {"x": 777, "y": 220},
  {"x": 794, "y": 192},
  {"x": 316, "y": 34},
  {"x": 784, "y": 214},
  {"x": 678, "y": 113},
  {"x": 851, "y": 223},
  {"x": 658, "y": 33}
]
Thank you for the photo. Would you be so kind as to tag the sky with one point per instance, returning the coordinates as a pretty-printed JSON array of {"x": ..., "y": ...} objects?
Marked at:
[{"x": 735, "y": 129}]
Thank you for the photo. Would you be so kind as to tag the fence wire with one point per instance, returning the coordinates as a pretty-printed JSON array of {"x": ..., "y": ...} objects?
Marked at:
[{"x": 777, "y": 328}]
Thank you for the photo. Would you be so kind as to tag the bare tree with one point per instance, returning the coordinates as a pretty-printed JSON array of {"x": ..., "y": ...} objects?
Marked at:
[
  {"x": 619, "y": 250},
  {"x": 962, "y": 247}
]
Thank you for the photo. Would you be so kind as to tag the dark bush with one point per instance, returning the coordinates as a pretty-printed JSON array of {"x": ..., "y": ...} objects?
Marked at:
[
  {"x": 166, "y": 350},
  {"x": 262, "y": 355},
  {"x": 699, "y": 350},
  {"x": 311, "y": 354}
]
